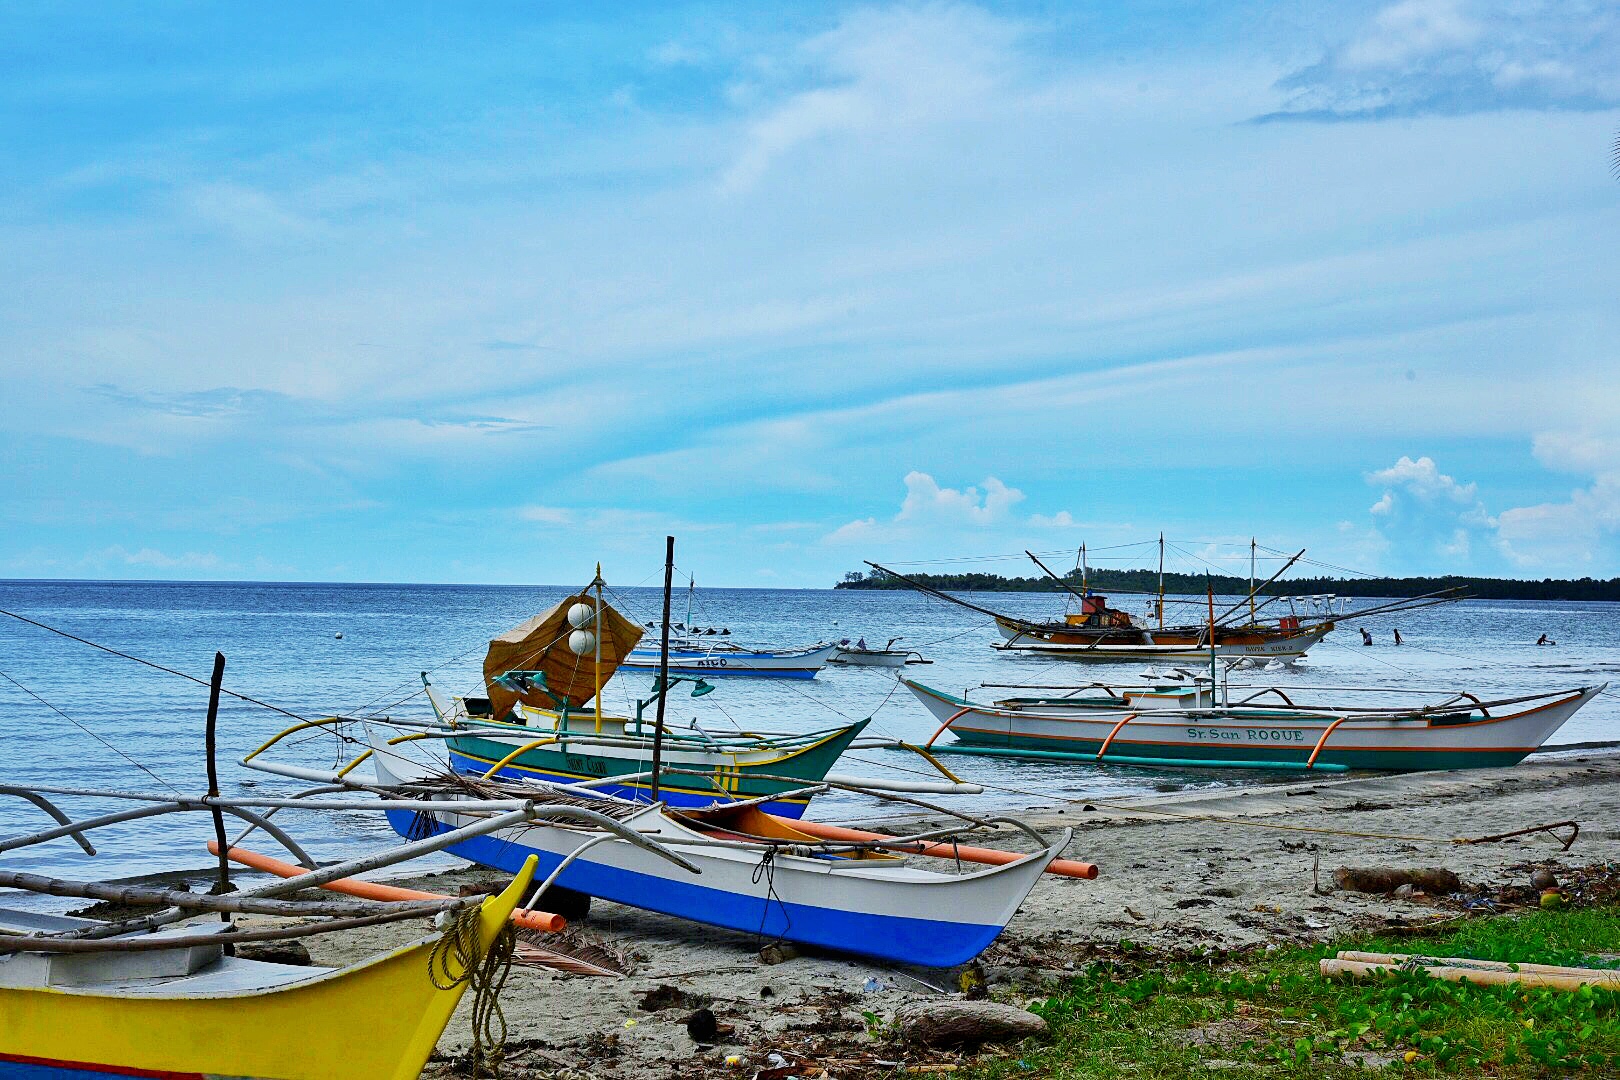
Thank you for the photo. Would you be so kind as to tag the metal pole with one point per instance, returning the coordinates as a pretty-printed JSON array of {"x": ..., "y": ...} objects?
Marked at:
[
  {"x": 663, "y": 666},
  {"x": 224, "y": 883}
]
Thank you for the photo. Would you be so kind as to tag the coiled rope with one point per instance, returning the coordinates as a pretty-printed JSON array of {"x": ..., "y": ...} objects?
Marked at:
[{"x": 455, "y": 960}]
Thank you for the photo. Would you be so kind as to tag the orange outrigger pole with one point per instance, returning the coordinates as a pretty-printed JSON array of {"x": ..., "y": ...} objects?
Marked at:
[
  {"x": 988, "y": 856},
  {"x": 542, "y": 921}
]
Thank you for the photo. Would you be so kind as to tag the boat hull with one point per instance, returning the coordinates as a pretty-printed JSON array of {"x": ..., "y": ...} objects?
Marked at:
[
  {"x": 380, "y": 1019},
  {"x": 892, "y": 912},
  {"x": 1250, "y": 737},
  {"x": 794, "y": 664},
  {"x": 877, "y": 658},
  {"x": 1150, "y": 645},
  {"x": 731, "y": 776}
]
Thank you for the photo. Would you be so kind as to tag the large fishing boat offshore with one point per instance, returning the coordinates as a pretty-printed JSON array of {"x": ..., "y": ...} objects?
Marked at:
[{"x": 1097, "y": 632}]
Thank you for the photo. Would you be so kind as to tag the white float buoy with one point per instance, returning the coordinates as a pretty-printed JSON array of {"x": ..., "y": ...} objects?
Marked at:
[
  {"x": 581, "y": 615},
  {"x": 338, "y": 635},
  {"x": 582, "y": 642}
]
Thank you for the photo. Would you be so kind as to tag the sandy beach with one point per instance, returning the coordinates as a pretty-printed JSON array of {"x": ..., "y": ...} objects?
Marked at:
[{"x": 1219, "y": 871}]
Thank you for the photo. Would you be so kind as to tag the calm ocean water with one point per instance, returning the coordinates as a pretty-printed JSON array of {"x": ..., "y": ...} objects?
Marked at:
[{"x": 281, "y": 646}]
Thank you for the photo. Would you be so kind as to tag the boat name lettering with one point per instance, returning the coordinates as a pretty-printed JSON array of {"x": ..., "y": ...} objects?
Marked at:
[
  {"x": 594, "y": 766},
  {"x": 716, "y": 662},
  {"x": 1289, "y": 735}
]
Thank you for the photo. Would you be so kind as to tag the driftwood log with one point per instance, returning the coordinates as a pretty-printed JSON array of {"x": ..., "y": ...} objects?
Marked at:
[
  {"x": 951, "y": 1022},
  {"x": 1386, "y": 879}
]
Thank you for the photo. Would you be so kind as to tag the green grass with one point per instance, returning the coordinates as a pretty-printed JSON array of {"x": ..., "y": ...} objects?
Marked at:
[{"x": 1161, "y": 1018}]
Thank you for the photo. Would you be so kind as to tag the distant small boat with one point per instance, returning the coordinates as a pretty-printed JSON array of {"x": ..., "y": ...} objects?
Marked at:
[
  {"x": 859, "y": 655},
  {"x": 1180, "y": 725},
  {"x": 702, "y": 656}
]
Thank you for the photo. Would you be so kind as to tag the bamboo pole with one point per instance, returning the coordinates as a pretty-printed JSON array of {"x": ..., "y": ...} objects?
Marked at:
[
  {"x": 422, "y": 903},
  {"x": 1476, "y": 972},
  {"x": 987, "y": 856}
]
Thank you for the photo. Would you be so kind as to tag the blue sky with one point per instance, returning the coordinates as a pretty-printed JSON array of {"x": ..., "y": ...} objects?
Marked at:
[{"x": 485, "y": 293}]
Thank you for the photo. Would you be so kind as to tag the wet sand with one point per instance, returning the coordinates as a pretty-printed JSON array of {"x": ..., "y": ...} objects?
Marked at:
[{"x": 1233, "y": 869}]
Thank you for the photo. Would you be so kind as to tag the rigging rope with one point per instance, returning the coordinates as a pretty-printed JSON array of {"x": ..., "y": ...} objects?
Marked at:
[{"x": 88, "y": 731}]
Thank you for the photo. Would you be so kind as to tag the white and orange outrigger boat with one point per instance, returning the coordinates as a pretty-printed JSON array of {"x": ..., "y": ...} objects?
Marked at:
[{"x": 1181, "y": 724}]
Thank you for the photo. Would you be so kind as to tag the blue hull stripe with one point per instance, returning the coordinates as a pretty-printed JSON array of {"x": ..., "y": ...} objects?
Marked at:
[
  {"x": 927, "y": 942},
  {"x": 768, "y": 673}
]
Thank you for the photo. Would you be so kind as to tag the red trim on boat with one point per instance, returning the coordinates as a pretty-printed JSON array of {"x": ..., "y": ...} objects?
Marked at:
[{"x": 102, "y": 1070}]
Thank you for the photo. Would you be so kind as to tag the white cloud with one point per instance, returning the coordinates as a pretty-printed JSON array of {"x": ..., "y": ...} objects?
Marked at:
[
  {"x": 927, "y": 502},
  {"x": 546, "y": 515},
  {"x": 1420, "y": 57},
  {"x": 883, "y": 69},
  {"x": 927, "y": 507},
  {"x": 1580, "y": 534},
  {"x": 1428, "y": 515},
  {"x": 1423, "y": 480},
  {"x": 1423, "y": 510},
  {"x": 1060, "y": 520}
]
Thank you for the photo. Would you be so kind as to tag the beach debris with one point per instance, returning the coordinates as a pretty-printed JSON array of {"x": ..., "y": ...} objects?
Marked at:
[
  {"x": 1436, "y": 881},
  {"x": 704, "y": 1028},
  {"x": 777, "y": 952},
  {"x": 1543, "y": 879},
  {"x": 292, "y": 953},
  {"x": 664, "y": 996},
  {"x": 1348, "y": 964},
  {"x": 953, "y": 1022},
  {"x": 1552, "y": 899},
  {"x": 1552, "y": 830}
]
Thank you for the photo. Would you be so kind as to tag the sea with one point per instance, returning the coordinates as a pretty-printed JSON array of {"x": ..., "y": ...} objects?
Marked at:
[{"x": 75, "y": 716}]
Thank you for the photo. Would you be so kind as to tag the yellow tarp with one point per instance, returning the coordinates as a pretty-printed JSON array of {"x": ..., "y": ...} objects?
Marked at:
[{"x": 541, "y": 644}]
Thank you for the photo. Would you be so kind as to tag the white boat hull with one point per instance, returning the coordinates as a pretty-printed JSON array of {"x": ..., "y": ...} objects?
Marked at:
[{"x": 1254, "y": 737}]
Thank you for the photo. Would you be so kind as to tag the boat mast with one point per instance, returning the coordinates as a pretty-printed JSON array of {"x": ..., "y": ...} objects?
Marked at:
[
  {"x": 1161, "y": 580},
  {"x": 1064, "y": 585},
  {"x": 597, "y": 620},
  {"x": 1251, "y": 581},
  {"x": 691, "y": 587},
  {"x": 1209, "y": 583},
  {"x": 1083, "y": 587},
  {"x": 663, "y": 667}
]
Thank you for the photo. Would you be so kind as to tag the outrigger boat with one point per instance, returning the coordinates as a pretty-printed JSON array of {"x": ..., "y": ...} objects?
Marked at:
[
  {"x": 148, "y": 997},
  {"x": 543, "y": 720},
  {"x": 1174, "y": 723},
  {"x": 705, "y": 656},
  {"x": 859, "y": 655},
  {"x": 757, "y": 874},
  {"x": 1100, "y": 633}
]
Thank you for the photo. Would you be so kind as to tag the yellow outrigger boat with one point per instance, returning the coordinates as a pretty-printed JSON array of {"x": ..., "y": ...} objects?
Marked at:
[{"x": 192, "y": 1012}]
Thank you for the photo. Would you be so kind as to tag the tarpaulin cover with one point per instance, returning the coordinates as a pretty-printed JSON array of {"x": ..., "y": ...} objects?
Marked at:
[{"x": 541, "y": 644}]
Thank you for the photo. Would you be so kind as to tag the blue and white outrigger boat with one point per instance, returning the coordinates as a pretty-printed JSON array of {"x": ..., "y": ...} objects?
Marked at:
[
  {"x": 714, "y": 656},
  {"x": 754, "y": 873}
]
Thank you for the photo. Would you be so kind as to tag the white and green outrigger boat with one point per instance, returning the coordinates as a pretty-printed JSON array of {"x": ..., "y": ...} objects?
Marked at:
[{"x": 1182, "y": 725}]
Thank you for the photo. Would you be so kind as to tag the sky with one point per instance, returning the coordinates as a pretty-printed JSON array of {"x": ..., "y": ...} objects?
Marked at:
[{"x": 490, "y": 293}]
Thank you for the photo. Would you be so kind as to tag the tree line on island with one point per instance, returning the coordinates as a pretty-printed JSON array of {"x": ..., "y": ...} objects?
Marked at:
[{"x": 1147, "y": 581}]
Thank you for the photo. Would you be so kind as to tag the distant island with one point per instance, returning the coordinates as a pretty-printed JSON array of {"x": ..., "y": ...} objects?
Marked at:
[{"x": 1147, "y": 581}]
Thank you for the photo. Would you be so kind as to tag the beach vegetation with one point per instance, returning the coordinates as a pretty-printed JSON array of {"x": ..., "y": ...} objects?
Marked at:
[{"x": 1272, "y": 1013}]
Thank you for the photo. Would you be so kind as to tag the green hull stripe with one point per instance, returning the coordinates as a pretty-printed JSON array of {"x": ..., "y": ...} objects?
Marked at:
[{"x": 1253, "y": 757}]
